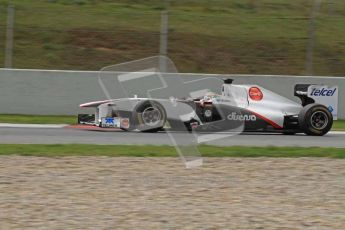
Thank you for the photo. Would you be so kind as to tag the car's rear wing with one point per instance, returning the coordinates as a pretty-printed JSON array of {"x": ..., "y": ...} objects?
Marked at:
[
  {"x": 321, "y": 94},
  {"x": 301, "y": 91}
]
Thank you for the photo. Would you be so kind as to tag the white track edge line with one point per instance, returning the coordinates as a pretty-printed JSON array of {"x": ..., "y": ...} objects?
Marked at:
[{"x": 35, "y": 126}]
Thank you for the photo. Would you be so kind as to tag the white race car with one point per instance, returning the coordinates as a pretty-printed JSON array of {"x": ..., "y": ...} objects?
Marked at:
[{"x": 236, "y": 108}]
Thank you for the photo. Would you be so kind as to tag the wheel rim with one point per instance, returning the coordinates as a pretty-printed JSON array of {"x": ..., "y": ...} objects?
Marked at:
[
  {"x": 319, "y": 120},
  {"x": 151, "y": 116}
]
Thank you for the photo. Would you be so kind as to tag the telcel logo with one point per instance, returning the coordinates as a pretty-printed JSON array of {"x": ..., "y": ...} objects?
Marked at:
[
  {"x": 324, "y": 92},
  {"x": 239, "y": 117}
]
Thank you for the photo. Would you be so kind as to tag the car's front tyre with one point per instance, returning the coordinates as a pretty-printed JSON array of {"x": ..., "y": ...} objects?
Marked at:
[{"x": 149, "y": 116}]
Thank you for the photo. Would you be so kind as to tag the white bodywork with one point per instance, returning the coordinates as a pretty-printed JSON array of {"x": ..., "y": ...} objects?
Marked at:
[
  {"x": 174, "y": 108},
  {"x": 271, "y": 108}
]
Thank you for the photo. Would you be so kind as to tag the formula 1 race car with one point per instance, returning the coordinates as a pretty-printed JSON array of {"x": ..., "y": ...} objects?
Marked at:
[{"x": 239, "y": 108}]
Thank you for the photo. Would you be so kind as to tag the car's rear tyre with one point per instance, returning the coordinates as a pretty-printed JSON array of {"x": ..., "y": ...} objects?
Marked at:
[
  {"x": 315, "y": 120},
  {"x": 149, "y": 116}
]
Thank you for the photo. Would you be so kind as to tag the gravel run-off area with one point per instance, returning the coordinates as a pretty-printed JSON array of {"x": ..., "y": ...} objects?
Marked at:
[{"x": 160, "y": 193}]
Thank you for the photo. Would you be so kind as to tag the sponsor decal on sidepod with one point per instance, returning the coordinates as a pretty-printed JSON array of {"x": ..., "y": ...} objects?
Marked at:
[
  {"x": 255, "y": 94},
  {"x": 239, "y": 117}
]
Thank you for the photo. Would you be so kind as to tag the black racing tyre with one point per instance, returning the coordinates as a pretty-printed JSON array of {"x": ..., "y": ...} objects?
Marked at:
[
  {"x": 149, "y": 116},
  {"x": 315, "y": 120}
]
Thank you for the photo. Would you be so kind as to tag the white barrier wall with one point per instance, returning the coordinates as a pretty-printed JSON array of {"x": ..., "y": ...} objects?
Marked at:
[{"x": 61, "y": 92}]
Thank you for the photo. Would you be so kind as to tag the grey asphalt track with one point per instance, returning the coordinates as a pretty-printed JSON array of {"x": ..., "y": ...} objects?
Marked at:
[{"x": 74, "y": 136}]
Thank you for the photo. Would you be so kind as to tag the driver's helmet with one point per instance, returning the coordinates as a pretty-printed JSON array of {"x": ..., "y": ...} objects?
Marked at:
[{"x": 209, "y": 96}]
